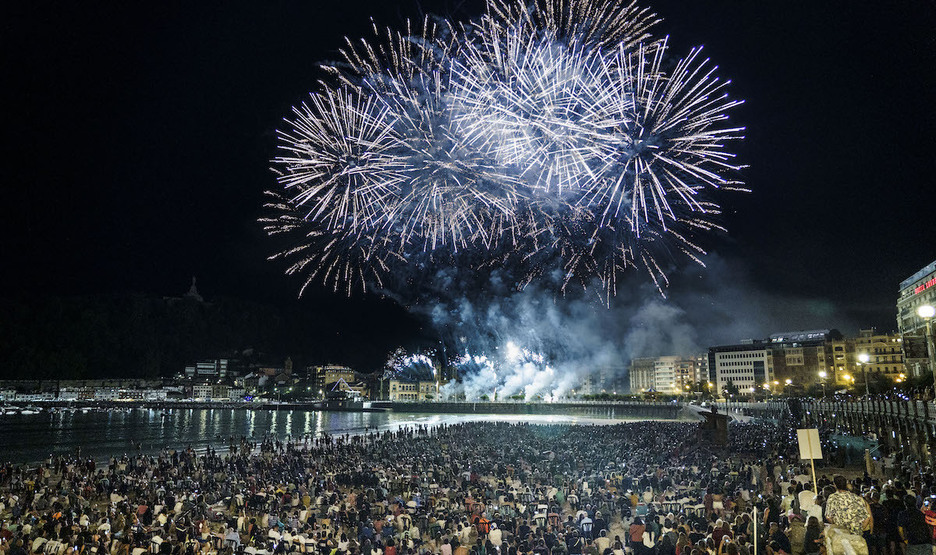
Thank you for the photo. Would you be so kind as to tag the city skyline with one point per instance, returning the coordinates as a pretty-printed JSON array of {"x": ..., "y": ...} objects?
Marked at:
[{"x": 143, "y": 137}]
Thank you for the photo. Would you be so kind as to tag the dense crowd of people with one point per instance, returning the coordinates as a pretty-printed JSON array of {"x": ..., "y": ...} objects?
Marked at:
[{"x": 644, "y": 488}]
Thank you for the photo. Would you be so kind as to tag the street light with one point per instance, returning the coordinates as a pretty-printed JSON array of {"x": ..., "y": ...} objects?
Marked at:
[
  {"x": 863, "y": 359},
  {"x": 822, "y": 377},
  {"x": 927, "y": 312}
]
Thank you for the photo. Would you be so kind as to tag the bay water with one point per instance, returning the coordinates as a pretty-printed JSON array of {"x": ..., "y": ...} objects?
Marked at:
[{"x": 30, "y": 438}]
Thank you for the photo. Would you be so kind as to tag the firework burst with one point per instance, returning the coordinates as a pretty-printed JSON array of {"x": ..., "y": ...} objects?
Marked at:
[
  {"x": 402, "y": 365},
  {"x": 548, "y": 138}
]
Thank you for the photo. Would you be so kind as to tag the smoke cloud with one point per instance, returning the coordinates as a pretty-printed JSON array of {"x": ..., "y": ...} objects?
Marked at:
[{"x": 535, "y": 345}]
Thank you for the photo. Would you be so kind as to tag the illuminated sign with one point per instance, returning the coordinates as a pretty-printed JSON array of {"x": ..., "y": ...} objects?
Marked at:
[{"x": 920, "y": 288}]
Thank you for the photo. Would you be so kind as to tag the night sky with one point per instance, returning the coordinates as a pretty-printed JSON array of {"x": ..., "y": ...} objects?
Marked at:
[{"x": 138, "y": 137}]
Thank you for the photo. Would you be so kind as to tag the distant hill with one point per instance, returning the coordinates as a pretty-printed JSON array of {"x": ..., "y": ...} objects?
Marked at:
[{"x": 137, "y": 336}]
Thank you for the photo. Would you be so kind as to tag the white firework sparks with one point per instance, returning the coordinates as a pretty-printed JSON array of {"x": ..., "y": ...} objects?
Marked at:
[
  {"x": 340, "y": 168},
  {"x": 515, "y": 371},
  {"x": 669, "y": 145},
  {"x": 594, "y": 23},
  {"x": 547, "y": 138},
  {"x": 536, "y": 107}
]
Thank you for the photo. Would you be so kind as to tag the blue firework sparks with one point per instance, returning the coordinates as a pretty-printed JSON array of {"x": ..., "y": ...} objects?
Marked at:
[{"x": 547, "y": 138}]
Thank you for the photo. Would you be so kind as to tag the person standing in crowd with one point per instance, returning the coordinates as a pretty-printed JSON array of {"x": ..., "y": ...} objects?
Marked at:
[
  {"x": 400, "y": 492},
  {"x": 929, "y": 515},
  {"x": 797, "y": 535},
  {"x": 845, "y": 509},
  {"x": 914, "y": 532},
  {"x": 850, "y": 516}
]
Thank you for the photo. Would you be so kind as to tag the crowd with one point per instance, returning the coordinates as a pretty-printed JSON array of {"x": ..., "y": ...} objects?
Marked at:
[{"x": 644, "y": 488}]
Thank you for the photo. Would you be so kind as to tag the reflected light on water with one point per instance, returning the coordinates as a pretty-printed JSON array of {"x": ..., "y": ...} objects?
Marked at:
[{"x": 103, "y": 434}]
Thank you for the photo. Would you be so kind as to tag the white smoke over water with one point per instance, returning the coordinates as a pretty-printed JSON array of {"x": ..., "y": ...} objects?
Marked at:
[{"x": 535, "y": 345}]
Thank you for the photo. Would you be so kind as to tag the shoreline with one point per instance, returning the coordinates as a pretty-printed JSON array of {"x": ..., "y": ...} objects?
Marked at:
[{"x": 103, "y": 433}]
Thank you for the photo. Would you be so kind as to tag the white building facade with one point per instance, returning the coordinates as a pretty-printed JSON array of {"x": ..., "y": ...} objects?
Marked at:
[
  {"x": 744, "y": 366},
  {"x": 404, "y": 390}
]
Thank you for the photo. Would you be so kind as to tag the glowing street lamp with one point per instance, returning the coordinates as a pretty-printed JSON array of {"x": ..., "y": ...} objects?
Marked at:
[
  {"x": 927, "y": 312},
  {"x": 863, "y": 359},
  {"x": 822, "y": 377}
]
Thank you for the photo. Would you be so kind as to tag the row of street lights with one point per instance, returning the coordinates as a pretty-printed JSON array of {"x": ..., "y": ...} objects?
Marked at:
[
  {"x": 926, "y": 313},
  {"x": 863, "y": 360}
]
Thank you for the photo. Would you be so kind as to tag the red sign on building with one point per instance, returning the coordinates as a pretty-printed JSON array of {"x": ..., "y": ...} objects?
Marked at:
[{"x": 920, "y": 288}]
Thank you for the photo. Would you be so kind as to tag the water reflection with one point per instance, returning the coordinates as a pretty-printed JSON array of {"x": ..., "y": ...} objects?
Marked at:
[{"x": 103, "y": 434}]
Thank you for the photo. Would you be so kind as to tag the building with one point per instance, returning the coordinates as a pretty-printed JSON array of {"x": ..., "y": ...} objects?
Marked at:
[
  {"x": 76, "y": 393},
  {"x": 322, "y": 378},
  {"x": 405, "y": 390},
  {"x": 675, "y": 374},
  {"x": 208, "y": 369},
  {"x": 915, "y": 291},
  {"x": 885, "y": 355},
  {"x": 278, "y": 375},
  {"x": 153, "y": 394},
  {"x": 174, "y": 392},
  {"x": 202, "y": 391},
  {"x": 803, "y": 358},
  {"x": 688, "y": 371},
  {"x": 588, "y": 385},
  {"x": 106, "y": 394},
  {"x": 33, "y": 397},
  {"x": 702, "y": 370},
  {"x": 918, "y": 289},
  {"x": 745, "y": 366},
  {"x": 664, "y": 374},
  {"x": 612, "y": 379},
  {"x": 641, "y": 375},
  {"x": 672, "y": 375},
  {"x": 358, "y": 391}
]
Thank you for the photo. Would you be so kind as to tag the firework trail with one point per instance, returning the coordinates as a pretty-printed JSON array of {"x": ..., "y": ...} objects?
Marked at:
[{"x": 547, "y": 139}]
